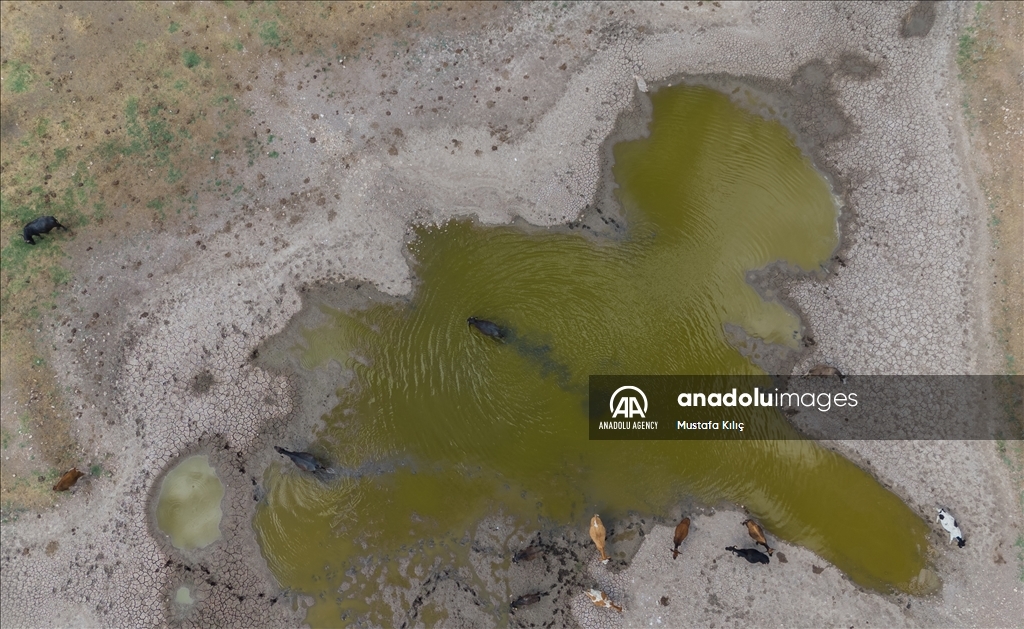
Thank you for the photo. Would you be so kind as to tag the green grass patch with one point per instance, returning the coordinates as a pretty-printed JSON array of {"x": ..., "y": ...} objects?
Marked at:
[
  {"x": 157, "y": 205},
  {"x": 251, "y": 150},
  {"x": 132, "y": 127},
  {"x": 173, "y": 28},
  {"x": 272, "y": 154},
  {"x": 1020, "y": 556},
  {"x": 148, "y": 136},
  {"x": 60, "y": 275},
  {"x": 1003, "y": 455},
  {"x": 970, "y": 49},
  {"x": 18, "y": 76},
  {"x": 60, "y": 156},
  {"x": 967, "y": 49},
  {"x": 269, "y": 35},
  {"x": 192, "y": 204},
  {"x": 42, "y": 126},
  {"x": 24, "y": 266},
  {"x": 191, "y": 58},
  {"x": 99, "y": 211},
  {"x": 10, "y": 512}
]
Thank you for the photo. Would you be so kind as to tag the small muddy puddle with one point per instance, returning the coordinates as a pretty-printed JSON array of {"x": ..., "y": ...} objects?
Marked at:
[
  {"x": 488, "y": 428},
  {"x": 188, "y": 507},
  {"x": 183, "y": 596}
]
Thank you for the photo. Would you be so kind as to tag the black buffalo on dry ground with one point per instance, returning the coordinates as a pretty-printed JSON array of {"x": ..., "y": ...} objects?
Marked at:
[
  {"x": 752, "y": 555},
  {"x": 39, "y": 226}
]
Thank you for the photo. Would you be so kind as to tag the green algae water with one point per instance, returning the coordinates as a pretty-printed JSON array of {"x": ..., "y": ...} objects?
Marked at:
[
  {"x": 457, "y": 426},
  {"x": 188, "y": 507}
]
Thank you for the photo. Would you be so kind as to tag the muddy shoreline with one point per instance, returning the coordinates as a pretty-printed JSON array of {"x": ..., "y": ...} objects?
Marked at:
[{"x": 152, "y": 334}]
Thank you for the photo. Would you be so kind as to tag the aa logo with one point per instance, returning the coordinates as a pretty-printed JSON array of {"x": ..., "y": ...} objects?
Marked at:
[{"x": 628, "y": 406}]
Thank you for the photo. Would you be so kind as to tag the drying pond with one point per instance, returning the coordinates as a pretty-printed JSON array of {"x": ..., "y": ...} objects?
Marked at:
[
  {"x": 461, "y": 427},
  {"x": 188, "y": 507}
]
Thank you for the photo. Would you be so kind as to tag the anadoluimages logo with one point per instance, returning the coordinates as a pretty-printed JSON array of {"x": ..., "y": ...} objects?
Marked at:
[{"x": 627, "y": 406}]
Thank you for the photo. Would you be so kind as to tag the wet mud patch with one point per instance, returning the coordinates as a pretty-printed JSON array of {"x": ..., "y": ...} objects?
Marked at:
[
  {"x": 201, "y": 383},
  {"x": 314, "y": 389},
  {"x": 918, "y": 21}
]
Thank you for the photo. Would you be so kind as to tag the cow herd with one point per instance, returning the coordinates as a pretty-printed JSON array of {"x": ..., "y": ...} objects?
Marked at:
[{"x": 751, "y": 555}]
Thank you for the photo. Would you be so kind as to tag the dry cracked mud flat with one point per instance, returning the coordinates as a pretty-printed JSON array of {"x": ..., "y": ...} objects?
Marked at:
[{"x": 214, "y": 162}]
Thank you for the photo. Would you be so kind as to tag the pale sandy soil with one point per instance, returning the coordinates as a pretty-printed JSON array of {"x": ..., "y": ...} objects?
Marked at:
[{"x": 147, "y": 355}]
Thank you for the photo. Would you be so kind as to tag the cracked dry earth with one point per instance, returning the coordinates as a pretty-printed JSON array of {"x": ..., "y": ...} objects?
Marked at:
[{"x": 504, "y": 111}]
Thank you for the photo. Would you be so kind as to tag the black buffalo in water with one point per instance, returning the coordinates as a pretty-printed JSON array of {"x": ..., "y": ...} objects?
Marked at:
[
  {"x": 488, "y": 328},
  {"x": 525, "y": 601},
  {"x": 304, "y": 460},
  {"x": 41, "y": 225},
  {"x": 752, "y": 555}
]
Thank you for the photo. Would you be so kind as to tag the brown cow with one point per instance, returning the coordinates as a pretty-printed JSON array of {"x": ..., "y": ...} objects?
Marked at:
[
  {"x": 69, "y": 478},
  {"x": 682, "y": 530},
  {"x": 757, "y": 534},
  {"x": 597, "y": 534}
]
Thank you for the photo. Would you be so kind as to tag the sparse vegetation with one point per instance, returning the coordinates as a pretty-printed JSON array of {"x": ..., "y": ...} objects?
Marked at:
[
  {"x": 10, "y": 512},
  {"x": 1020, "y": 555},
  {"x": 88, "y": 164},
  {"x": 967, "y": 50},
  {"x": 268, "y": 34},
  {"x": 18, "y": 76},
  {"x": 988, "y": 57},
  {"x": 190, "y": 58}
]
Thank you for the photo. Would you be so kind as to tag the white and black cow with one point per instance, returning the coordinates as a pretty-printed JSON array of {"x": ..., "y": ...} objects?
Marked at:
[{"x": 949, "y": 523}]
